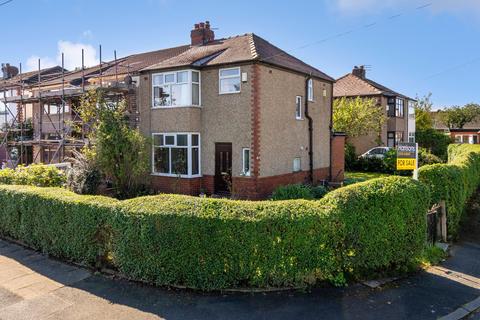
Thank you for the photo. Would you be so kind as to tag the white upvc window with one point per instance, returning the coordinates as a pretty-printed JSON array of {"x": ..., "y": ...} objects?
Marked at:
[
  {"x": 229, "y": 80},
  {"x": 297, "y": 165},
  {"x": 176, "y": 154},
  {"x": 246, "y": 162},
  {"x": 310, "y": 90},
  {"x": 176, "y": 89},
  {"x": 411, "y": 137},
  {"x": 298, "y": 107}
]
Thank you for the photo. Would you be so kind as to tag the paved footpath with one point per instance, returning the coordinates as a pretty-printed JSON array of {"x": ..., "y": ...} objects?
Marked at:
[{"x": 33, "y": 286}]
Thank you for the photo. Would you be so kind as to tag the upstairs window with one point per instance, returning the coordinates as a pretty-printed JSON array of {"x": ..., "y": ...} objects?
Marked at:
[
  {"x": 310, "y": 90},
  {"x": 399, "y": 106},
  {"x": 229, "y": 80},
  {"x": 298, "y": 107},
  {"x": 176, "y": 89}
]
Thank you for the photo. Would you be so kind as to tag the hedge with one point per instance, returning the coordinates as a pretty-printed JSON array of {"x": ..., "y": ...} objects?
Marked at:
[
  {"x": 56, "y": 221},
  {"x": 39, "y": 175},
  {"x": 214, "y": 243},
  {"x": 454, "y": 182}
]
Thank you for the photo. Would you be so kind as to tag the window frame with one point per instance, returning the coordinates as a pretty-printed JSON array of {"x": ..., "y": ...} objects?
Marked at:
[
  {"x": 299, "y": 164},
  {"x": 189, "y": 148},
  {"x": 399, "y": 112},
  {"x": 220, "y": 78},
  {"x": 244, "y": 172},
  {"x": 299, "y": 114},
  {"x": 189, "y": 84},
  {"x": 310, "y": 90}
]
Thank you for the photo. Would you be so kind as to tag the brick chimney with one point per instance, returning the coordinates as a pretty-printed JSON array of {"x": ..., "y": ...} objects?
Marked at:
[
  {"x": 359, "y": 72},
  {"x": 201, "y": 33}
]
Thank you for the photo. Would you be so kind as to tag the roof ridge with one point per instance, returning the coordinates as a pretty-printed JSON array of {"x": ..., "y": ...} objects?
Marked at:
[{"x": 253, "y": 47}]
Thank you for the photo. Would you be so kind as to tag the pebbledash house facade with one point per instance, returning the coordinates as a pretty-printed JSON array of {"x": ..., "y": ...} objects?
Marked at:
[
  {"x": 237, "y": 115},
  {"x": 399, "y": 112}
]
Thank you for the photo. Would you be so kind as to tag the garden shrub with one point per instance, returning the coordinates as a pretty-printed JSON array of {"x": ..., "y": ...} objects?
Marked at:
[
  {"x": 319, "y": 191},
  {"x": 425, "y": 157},
  {"x": 292, "y": 191},
  {"x": 350, "y": 157},
  {"x": 455, "y": 182},
  {"x": 434, "y": 141},
  {"x": 211, "y": 243},
  {"x": 38, "y": 175}
]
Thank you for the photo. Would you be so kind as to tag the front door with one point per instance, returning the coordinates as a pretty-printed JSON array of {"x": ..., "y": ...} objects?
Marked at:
[{"x": 223, "y": 168}]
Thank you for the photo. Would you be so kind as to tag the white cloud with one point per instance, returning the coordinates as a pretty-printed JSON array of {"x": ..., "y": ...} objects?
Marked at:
[
  {"x": 87, "y": 34},
  {"x": 362, "y": 6},
  {"x": 72, "y": 53},
  {"x": 32, "y": 63}
]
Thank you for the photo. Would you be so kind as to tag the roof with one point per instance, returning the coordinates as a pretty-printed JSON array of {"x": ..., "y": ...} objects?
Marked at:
[
  {"x": 31, "y": 77},
  {"x": 244, "y": 48},
  {"x": 351, "y": 85}
]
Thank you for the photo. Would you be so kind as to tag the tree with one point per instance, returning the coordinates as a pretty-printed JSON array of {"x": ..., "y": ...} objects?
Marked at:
[
  {"x": 120, "y": 151},
  {"x": 457, "y": 117},
  {"x": 423, "y": 113},
  {"x": 357, "y": 116}
]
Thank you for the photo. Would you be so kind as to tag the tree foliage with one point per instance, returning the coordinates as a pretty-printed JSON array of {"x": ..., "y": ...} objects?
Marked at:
[
  {"x": 120, "y": 151},
  {"x": 357, "y": 116},
  {"x": 423, "y": 109},
  {"x": 457, "y": 117}
]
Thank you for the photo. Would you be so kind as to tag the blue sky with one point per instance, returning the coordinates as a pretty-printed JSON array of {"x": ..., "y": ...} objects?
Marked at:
[{"x": 433, "y": 49}]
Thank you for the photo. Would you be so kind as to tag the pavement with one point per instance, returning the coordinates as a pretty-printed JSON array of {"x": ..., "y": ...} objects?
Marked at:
[{"x": 33, "y": 286}]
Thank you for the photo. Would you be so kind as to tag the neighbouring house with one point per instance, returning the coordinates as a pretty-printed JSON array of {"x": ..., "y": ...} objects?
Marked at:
[
  {"x": 470, "y": 133},
  {"x": 237, "y": 115},
  {"x": 225, "y": 116},
  {"x": 399, "y": 125}
]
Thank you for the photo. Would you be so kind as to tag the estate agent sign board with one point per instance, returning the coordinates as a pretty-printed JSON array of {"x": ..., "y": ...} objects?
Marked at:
[{"x": 407, "y": 156}]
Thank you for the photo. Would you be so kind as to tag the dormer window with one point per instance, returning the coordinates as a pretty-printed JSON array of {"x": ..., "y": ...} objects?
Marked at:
[{"x": 176, "y": 89}]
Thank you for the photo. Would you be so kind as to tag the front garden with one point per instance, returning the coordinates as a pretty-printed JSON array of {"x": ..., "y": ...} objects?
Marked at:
[{"x": 353, "y": 232}]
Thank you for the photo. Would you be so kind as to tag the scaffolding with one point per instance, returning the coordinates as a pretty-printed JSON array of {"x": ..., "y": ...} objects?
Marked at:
[{"x": 50, "y": 137}]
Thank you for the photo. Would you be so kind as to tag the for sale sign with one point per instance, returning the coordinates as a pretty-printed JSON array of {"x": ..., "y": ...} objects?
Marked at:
[{"x": 406, "y": 156}]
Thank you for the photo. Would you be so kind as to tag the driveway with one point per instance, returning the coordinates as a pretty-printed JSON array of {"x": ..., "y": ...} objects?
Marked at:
[{"x": 33, "y": 286}]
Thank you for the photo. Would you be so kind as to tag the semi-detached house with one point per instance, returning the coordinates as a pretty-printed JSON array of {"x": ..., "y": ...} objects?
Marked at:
[
  {"x": 234, "y": 115},
  {"x": 399, "y": 113}
]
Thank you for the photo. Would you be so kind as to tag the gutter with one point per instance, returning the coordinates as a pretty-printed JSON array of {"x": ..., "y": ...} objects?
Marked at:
[{"x": 310, "y": 131}]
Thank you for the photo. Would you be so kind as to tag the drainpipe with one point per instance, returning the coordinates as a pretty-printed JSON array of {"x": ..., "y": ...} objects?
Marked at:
[
  {"x": 330, "y": 170},
  {"x": 310, "y": 131}
]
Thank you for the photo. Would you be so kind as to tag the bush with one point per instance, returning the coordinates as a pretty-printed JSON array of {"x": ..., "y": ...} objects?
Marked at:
[
  {"x": 371, "y": 165},
  {"x": 299, "y": 191},
  {"x": 56, "y": 221},
  {"x": 83, "y": 177},
  {"x": 434, "y": 141},
  {"x": 350, "y": 157},
  {"x": 454, "y": 182},
  {"x": 38, "y": 175},
  {"x": 217, "y": 243},
  {"x": 426, "y": 158},
  {"x": 292, "y": 191}
]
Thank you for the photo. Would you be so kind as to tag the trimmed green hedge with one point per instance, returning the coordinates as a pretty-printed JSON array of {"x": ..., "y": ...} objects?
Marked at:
[
  {"x": 454, "y": 182},
  {"x": 38, "y": 175},
  {"x": 214, "y": 243},
  {"x": 56, "y": 221}
]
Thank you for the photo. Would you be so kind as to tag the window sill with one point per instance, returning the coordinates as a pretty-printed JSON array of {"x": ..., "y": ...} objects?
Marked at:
[
  {"x": 182, "y": 176},
  {"x": 226, "y": 93},
  {"x": 175, "y": 107},
  {"x": 300, "y": 119}
]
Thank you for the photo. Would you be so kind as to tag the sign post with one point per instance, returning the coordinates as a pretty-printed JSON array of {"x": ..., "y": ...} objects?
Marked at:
[{"x": 407, "y": 157}]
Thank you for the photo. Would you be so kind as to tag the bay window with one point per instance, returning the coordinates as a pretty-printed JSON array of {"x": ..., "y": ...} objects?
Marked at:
[
  {"x": 229, "y": 80},
  {"x": 176, "y": 154},
  {"x": 176, "y": 89}
]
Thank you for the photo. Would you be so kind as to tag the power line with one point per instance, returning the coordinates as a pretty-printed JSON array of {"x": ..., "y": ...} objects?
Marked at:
[
  {"x": 345, "y": 33},
  {"x": 458, "y": 66},
  {"x": 5, "y": 2}
]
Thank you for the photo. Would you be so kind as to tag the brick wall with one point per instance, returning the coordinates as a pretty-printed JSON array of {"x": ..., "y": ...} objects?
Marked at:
[
  {"x": 338, "y": 157},
  {"x": 176, "y": 185}
]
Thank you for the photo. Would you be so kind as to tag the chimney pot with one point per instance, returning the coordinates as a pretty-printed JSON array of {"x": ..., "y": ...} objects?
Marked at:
[
  {"x": 359, "y": 72},
  {"x": 201, "y": 34}
]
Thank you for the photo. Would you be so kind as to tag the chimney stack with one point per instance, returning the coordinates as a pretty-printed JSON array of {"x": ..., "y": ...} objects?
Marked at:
[
  {"x": 201, "y": 33},
  {"x": 8, "y": 71},
  {"x": 359, "y": 72}
]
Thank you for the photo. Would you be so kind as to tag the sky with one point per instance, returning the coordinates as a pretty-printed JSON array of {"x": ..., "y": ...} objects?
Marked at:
[{"x": 414, "y": 47}]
